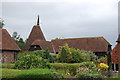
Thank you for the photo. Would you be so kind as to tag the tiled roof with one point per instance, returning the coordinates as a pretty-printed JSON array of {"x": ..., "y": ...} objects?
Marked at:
[
  {"x": 118, "y": 40},
  {"x": 94, "y": 44},
  {"x": 7, "y": 42},
  {"x": 35, "y": 34},
  {"x": 43, "y": 44}
]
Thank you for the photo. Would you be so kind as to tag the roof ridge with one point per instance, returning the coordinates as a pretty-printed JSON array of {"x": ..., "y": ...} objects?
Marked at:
[{"x": 77, "y": 38}]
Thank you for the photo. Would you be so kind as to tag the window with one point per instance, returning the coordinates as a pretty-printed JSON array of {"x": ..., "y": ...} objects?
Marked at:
[
  {"x": 56, "y": 52},
  {"x": 35, "y": 47},
  {"x": 115, "y": 67}
]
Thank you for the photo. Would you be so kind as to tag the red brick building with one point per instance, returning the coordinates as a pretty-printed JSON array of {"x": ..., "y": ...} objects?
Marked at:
[
  {"x": 8, "y": 47},
  {"x": 115, "y": 55}
]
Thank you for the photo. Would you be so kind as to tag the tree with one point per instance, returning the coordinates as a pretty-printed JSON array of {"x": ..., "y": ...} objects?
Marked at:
[
  {"x": 1, "y": 23},
  {"x": 64, "y": 55},
  {"x": 15, "y": 36},
  {"x": 71, "y": 55},
  {"x": 21, "y": 44},
  {"x": 18, "y": 40}
]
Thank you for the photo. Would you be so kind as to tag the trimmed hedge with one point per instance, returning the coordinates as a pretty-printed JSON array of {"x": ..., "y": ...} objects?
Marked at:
[
  {"x": 37, "y": 74},
  {"x": 32, "y": 74},
  {"x": 67, "y": 67},
  {"x": 7, "y": 65},
  {"x": 10, "y": 73}
]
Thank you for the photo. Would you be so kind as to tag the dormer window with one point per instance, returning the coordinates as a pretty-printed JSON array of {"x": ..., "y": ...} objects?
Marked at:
[{"x": 35, "y": 47}]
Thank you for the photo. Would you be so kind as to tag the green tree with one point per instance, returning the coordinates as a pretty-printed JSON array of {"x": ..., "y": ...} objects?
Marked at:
[
  {"x": 64, "y": 55},
  {"x": 71, "y": 55},
  {"x": 21, "y": 44},
  {"x": 18, "y": 40},
  {"x": 1, "y": 23}
]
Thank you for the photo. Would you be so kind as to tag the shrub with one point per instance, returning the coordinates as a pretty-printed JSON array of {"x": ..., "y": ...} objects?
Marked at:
[
  {"x": 72, "y": 68},
  {"x": 70, "y": 55},
  {"x": 29, "y": 61},
  {"x": 100, "y": 60},
  {"x": 87, "y": 67},
  {"x": 75, "y": 68},
  {"x": 89, "y": 76},
  {"x": 45, "y": 54},
  {"x": 52, "y": 58}
]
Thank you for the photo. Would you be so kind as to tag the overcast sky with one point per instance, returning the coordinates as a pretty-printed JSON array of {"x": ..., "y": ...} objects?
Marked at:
[{"x": 64, "y": 19}]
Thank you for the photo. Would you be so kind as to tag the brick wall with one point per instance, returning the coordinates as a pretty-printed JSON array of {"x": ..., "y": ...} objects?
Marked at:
[{"x": 7, "y": 56}]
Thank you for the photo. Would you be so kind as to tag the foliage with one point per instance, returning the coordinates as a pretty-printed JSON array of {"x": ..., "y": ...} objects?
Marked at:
[
  {"x": 74, "y": 68},
  {"x": 21, "y": 44},
  {"x": 103, "y": 67},
  {"x": 10, "y": 73},
  {"x": 58, "y": 66},
  {"x": 92, "y": 55},
  {"x": 89, "y": 76},
  {"x": 52, "y": 58},
  {"x": 37, "y": 73},
  {"x": 29, "y": 61},
  {"x": 70, "y": 55},
  {"x": 1, "y": 23},
  {"x": 87, "y": 67},
  {"x": 32, "y": 74},
  {"x": 18, "y": 40},
  {"x": 59, "y": 38},
  {"x": 68, "y": 68},
  {"x": 45, "y": 54},
  {"x": 8, "y": 65},
  {"x": 100, "y": 60}
]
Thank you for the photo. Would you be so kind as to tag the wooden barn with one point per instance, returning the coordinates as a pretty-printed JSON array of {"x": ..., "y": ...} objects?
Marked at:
[{"x": 8, "y": 47}]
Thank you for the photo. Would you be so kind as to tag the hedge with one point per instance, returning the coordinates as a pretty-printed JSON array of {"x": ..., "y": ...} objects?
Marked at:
[
  {"x": 7, "y": 65},
  {"x": 31, "y": 74},
  {"x": 67, "y": 67}
]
